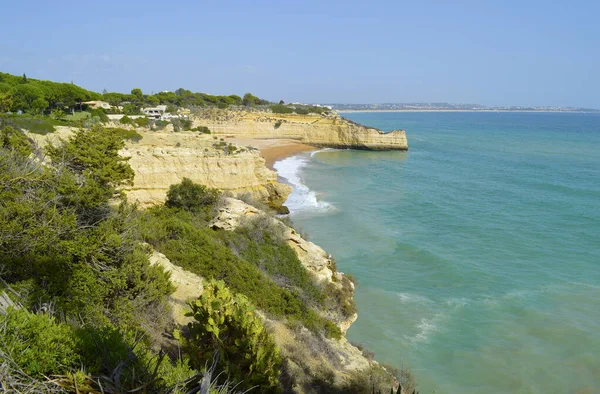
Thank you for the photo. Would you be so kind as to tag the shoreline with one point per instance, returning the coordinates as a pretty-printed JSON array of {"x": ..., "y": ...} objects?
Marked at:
[
  {"x": 274, "y": 150},
  {"x": 463, "y": 110}
]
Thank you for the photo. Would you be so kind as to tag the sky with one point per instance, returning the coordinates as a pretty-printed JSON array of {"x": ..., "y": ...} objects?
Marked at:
[{"x": 484, "y": 52}]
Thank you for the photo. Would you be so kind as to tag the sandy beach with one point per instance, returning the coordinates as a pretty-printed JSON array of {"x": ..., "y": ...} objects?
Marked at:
[{"x": 273, "y": 150}]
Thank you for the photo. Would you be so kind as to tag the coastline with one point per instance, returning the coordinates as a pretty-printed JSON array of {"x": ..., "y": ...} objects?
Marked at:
[
  {"x": 274, "y": 150},
  {"x": 460, "y": 110}
]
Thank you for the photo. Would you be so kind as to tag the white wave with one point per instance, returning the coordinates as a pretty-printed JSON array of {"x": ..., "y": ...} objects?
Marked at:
[
  {"x": 323, "y": 150},
  {"x": 426, "y": 328},
  {"x": 409, "y": 297},
  {"x": 302, "y": 198}
]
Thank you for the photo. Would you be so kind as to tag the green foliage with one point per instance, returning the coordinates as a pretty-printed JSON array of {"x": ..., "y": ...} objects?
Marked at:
[
  {"x": 126, "y": 120},
  {"x": 125, "y": 134},
  {"x": 190, "y": 196},
  {"x": 131, "y": 109},
  {"x": 277, "y": 124},
  {"x": 11, "y": 138},
  {"x": 251, "y": 100},
  {"x": 37, "y": 343},
  {"x": 181, "y": 124},
  {"x": 281, "y": 109},
  {"x": 142, "y": 122},
  {"x": 201, "y": 129},
  {"x": 6, "y": 101},
  {"x": 160, "y": 124},
  {"x": 103, "y": 169},
  {"x": 184, "y": 238},
  {"x": 225, "y": 323},
  {"x": 227, "y": 148},
  {"x": 99, "y": 112},
  {"x": 31, "y": 95},
  {"x": 34, "y": 124}
]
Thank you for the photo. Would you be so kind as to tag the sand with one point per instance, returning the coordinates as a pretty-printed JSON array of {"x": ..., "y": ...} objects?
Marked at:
[{"x": 273, "y": 150}]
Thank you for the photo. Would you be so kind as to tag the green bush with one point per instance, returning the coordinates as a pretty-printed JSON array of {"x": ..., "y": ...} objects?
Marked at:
[
  {"x": 160, "y": 124},
  {"x": 37, "y": 343},
  {"x": 202, "y": 129},
  {"x": 277, "y": 124},
  {"x": 281, "y": 109},
  {"x": 142, "y": 122},
  {"x": 11, "y": 138},
  {"x": 225, "y": 323},
  {"x": 190, "y": 196},
  {"x": 99, "y": 112},
  {"x": 126, "y": 134},
  {"x": 126, "y": 120}
]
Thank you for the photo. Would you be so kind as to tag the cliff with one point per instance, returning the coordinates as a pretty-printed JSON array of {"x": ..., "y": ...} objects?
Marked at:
[
  {"x": 311, "y": 360},
  {"x": 331, "y": 130},
  {"x": 161, "y": 159}
]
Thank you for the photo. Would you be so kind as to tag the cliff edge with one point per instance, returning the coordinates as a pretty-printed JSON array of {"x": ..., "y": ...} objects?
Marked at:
[{"x": 330, "y": 130}]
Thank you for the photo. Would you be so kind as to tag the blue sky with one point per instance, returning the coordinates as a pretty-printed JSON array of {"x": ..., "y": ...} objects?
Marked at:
[{"x": 492, "y": 53}]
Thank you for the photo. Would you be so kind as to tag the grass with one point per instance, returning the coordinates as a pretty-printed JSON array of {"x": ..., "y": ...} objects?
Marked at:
[{"x": 78, "y": 116}]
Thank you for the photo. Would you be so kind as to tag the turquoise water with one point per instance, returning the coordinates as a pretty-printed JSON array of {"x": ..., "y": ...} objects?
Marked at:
[{"x": 477, "y": 252}]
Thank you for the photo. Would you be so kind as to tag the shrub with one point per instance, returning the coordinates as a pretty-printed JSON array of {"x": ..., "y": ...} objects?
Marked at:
[
  {"x": 277, "y": 124},
  {"x": 126, "y": 120},
  {"x": 202, "y": 129},
  {"x": 142, "y": 122},
  {"x": 37, "y": 343},
  {"x": 281, "y": 109},
  {"x": 190, "y": 196},
  {"x": 161, "y": 124},
  {"x": 225, "y": 323},
  {"x": 99, "y": 112}
]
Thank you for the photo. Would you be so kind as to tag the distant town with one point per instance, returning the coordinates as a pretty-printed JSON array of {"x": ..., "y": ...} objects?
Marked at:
[{"x": 450, "y": 107}]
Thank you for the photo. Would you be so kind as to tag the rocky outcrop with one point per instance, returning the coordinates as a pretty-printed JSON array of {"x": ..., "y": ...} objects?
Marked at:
[
  {"x": 233, "y": 213},
  {"x": 187, "y": 286},
  {"x": 161, "y": 159},
  {"x": 319, "y": 130}
]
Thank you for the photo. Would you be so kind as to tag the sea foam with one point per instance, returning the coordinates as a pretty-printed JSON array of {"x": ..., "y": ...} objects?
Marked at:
[{"x": 302, "y": 198}]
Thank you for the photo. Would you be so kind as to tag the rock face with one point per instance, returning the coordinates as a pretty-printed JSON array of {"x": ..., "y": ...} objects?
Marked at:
[
  {"x": 188, "y": 286},
  {"x": 324, "y": 131},
  {"x": 161, "y": 159}
]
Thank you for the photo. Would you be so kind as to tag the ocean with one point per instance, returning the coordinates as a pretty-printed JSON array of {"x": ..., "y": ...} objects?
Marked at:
[{"x": 477, "y": 252}]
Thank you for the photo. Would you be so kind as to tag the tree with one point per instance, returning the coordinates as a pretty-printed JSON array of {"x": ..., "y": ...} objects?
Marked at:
[
  {"x": 281, "y": 102},
  {"x": 24, "y": 79},
  {"x": 39, "y": 105},
  {"x": 6, "y": 102},
  {"x": 26, "y": 94},
  {"x": 131, "y": 109},
  {"x": 137, "y": 95},
  {"x": 93, "y": 155}
]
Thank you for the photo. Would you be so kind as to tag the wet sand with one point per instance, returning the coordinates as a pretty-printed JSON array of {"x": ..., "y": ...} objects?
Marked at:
[{"x": 273, "y": 150}]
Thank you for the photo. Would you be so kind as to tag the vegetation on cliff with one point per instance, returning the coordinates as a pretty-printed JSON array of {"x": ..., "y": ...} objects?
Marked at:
[{"x": 81, "y": 307}]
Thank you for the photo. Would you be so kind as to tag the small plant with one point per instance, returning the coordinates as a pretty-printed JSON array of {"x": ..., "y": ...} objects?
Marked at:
[
  {"x": 277, "y": 124},
  {"x": 225, "y": 323}
]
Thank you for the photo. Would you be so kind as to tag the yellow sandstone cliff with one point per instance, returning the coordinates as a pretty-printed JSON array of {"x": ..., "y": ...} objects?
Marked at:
[
  {"x": 161, "y": 159},
  {"x": 330, "y": 130}
]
